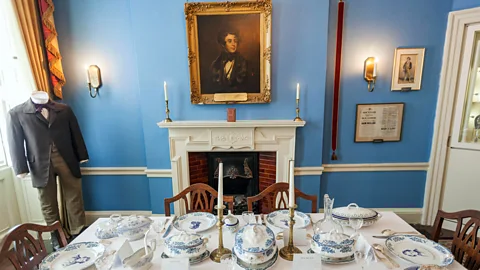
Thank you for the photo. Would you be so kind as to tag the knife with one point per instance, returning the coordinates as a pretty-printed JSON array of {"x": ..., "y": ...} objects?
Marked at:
[{"x": 169, "y": 228}]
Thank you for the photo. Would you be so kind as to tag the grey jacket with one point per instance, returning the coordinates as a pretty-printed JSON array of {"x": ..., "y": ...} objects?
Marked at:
[{"x": 30, "y": 137}]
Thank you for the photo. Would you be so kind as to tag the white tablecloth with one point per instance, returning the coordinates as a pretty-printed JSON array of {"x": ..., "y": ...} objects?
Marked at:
[{"x": 389, "y": 221}]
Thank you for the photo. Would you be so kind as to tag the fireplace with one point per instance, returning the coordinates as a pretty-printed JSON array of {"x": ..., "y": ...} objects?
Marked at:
[
  {"x": 191, "y": 141},
  {"x": 245, "y": 173},
  {"x": 240, "y": 172}
]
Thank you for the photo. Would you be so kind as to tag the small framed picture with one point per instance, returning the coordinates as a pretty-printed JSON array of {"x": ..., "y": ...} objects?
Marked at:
[
  {"x": 379, "y": 122},
  {"x": 407, "y": 69}
]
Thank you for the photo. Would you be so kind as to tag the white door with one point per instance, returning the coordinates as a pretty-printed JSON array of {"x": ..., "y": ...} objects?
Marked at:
[{"x": 461, "y": 188}]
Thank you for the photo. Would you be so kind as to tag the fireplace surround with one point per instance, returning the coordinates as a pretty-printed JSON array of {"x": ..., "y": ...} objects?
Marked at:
[{"x": 274, "y": 136}]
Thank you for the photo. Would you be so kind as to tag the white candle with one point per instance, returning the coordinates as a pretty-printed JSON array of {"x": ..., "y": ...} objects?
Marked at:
[
  {"x": 298, "y": 91},
  {"x": 220, "y": 185},
  {"x": 375, "y": 68},
  {"x": 165, "y": 90},
  {"x": 291, "y": 189},
  {"x": 88, "y": 75}
]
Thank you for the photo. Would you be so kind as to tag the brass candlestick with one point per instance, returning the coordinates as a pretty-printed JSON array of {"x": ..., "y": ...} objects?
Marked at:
[
  {"x": 167, "y": 112},
  {"x": 298, "y": 119},
  {"x": 288, "y": 251},
  {"x": 220, "y": 251}
]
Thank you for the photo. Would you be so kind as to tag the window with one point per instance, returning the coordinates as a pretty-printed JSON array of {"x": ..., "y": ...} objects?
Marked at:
[{"x": 16, "y": 79}]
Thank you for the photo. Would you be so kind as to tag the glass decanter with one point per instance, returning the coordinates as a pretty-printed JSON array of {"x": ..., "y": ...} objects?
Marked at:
[{"x": 327, "y": 224}]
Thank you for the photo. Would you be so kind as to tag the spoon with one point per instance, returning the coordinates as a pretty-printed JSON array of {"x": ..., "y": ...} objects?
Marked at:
[
  {"x": 388, "y": 232},
  {"x": 383, "y": 251}
]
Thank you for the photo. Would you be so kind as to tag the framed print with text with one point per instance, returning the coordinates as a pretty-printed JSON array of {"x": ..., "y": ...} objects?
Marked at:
[{"x": 380, "y": 122}]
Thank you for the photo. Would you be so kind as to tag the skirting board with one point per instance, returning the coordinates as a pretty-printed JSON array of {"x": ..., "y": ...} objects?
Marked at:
[{"x": 410, "y": 215}]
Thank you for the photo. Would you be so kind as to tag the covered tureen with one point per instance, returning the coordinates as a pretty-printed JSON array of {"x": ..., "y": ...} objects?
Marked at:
[
  {"x": 185, "y": 245},
  {"x": 343, "y": 214},
  {"x": 255, "y": 244},
  {"x": 333, "y": 245},
  {"x": 133, "y": 227}
]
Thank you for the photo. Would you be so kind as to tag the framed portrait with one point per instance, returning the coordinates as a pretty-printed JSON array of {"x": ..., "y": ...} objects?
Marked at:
[
  {"x": 380, "y": 122},
  {"x": 407, "y": 69},
  {"x": 229, "y": 48}
]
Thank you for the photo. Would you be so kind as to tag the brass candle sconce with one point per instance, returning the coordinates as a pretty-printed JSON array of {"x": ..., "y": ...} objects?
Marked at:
[
  {"x": 94, "y": 80},
  {"x": 370, "y": 72}
]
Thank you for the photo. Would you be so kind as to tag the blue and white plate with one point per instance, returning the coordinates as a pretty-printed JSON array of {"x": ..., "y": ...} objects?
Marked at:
[
  {"x": 262, "y": 266},
  {"x": 280, "y": 219},
  {"x": 419, "y": 250},
  {"x": 195, "y": 222},
  {"x": 193, "y": 260},
  {"x": 74, "y": 256},
  {"x": 332, "y": 260}
]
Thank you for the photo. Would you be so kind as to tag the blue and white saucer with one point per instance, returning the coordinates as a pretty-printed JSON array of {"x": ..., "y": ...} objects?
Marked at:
[{"x": 195, "y": 222}]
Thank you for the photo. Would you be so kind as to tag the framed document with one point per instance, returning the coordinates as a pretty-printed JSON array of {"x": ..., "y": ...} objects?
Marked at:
[{"x": 380, "y": 122}]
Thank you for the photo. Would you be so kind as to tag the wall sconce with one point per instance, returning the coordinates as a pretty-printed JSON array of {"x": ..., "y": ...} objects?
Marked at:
[
  {"x": 94, "y": 79},
  {"x": 370, "y": 72}
]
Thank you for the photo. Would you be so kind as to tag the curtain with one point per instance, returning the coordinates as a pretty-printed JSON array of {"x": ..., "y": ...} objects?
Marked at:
[
  {"x": 28, "y": 21},
  {"x": 51, "y": 43}
]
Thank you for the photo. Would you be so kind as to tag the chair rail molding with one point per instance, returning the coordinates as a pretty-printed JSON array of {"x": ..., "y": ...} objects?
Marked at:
[
  {"x": 299, "y": 171},
  {"x": 376, "y": 167},
  {"x": 458, "y": 22},
  {"x": 113, "y": 170}
]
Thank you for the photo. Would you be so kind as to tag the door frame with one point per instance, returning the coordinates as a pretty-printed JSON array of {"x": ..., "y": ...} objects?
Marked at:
[{"x": 452, "y": 58}]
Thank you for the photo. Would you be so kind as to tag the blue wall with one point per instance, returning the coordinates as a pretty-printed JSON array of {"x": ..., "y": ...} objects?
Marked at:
[
  {"x": 463, "y": 4},
  {"x": 376, "y": 28},
  {"x": 141, "y": 43},
  {"x": 138, "y": 45}
]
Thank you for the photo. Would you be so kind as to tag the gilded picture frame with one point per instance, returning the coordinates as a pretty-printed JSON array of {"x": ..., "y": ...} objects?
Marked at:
[
  {"x": 407, "y": 69},
  {"x": 229, "y": 51}
]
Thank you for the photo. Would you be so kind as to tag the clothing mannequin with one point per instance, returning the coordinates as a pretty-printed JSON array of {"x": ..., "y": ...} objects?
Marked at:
[
  {"x": 40, "y": 97},
  {"x": 45, "y": 141}
]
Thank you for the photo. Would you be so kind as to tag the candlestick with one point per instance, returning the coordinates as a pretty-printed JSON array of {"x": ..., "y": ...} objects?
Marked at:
[
  {"x": 165, "y": 90},
  {"x": 291, "y": 188},
  {"x": 287, "y": 251},
  {"x": 220, "y": 185},
  {"x": 167, "y": 112},
  {"x": 220, "y": 251},
  {"x": 298, "y": 91},
  {"x": 297, "y": 110}
]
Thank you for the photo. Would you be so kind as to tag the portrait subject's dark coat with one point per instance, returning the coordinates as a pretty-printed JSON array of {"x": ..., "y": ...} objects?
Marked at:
[
  {"x": 238, "y": 75},
  {"x": 30, "y": 137}
]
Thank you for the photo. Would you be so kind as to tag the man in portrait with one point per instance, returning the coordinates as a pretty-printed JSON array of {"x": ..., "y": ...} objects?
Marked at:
[
  {"x": 229, "y": 70},
  {"x": 407, "y": 70}
]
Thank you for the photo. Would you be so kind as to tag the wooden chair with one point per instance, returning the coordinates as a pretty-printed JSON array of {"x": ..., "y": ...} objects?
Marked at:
[
  {"x": 202, "y": 199},
  {"x": 465, "y": 244},
  {"x": 269, "y": 195},
  {"x": 24, "y": 250}
]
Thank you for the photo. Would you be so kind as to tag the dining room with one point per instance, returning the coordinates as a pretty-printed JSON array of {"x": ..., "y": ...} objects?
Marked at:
[{"x": 246, "y": 134}]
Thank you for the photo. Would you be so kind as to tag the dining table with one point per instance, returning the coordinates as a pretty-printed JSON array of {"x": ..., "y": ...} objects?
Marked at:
[{"x": 389, "y": 220}]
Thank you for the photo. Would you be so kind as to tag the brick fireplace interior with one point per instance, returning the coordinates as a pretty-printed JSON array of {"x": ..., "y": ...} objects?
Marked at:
[{"x": 245, "y": 173}]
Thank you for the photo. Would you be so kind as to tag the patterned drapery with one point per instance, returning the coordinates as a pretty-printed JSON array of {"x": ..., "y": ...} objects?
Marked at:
[{"x": 51, "y": 43}]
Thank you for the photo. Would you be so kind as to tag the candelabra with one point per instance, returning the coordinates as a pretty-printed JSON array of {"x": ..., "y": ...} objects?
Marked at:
[
  {"x": 220, "y": 251},
  {"x": 167, "y": 112},
  {"x": 298, "y": 119},
  {"x": 288, "y": 251}
]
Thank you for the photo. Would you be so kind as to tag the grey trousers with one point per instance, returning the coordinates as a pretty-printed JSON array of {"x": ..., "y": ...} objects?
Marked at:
[{"x": 71, "y": 188}]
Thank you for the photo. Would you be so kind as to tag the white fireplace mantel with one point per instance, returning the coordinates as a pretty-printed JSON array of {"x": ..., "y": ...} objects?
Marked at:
[{"x": 207, "y": 136}]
